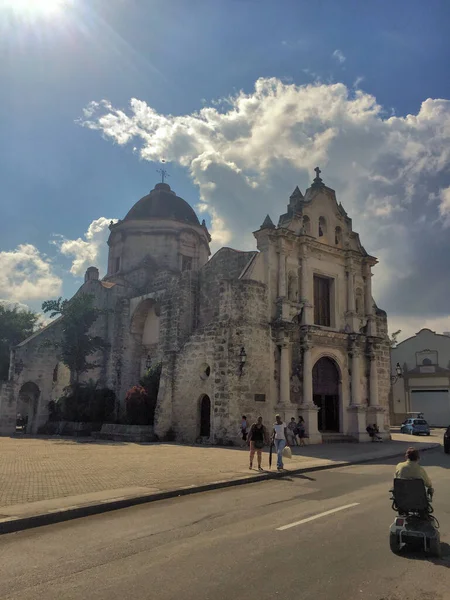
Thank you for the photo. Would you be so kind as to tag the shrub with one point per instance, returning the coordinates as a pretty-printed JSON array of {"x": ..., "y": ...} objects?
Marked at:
[
  {"x": 138, "y": 406},
  {"x": 84, "y": 403},
  {"x": 141, "y": 400}
]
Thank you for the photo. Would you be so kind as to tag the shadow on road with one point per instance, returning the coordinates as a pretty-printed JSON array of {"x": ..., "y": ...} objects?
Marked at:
[{"x": 444, "y": 561}]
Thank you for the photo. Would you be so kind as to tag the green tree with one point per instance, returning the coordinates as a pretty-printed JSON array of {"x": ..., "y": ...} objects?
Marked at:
[
  {"x": 16, "y": 325},
  {"x": 78, "y": 315}
]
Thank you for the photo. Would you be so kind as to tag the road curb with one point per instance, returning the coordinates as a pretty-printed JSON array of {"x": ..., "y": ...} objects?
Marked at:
[{"x": 15, "y": 524}]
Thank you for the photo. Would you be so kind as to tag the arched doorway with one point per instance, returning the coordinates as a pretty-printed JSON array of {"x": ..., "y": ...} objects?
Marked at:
[
  {"x": 27, "y": 406},
  {"x": 205, "y": 417},
  {"x": 326, "y": 393},
  {"x": 145, "y": 329}
]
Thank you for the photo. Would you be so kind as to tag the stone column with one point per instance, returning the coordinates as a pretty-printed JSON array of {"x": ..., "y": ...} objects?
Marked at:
[
  {"x": 356, "y": 375},
  {"x": 357, "y": 410},
  {"x": 305, "y": 291},
  {"x": 282, "y": 274},
  {"x": 373, "y": 381},
  {"x": 308, "y": 409},
  {"x": 350, "y": 291},
  {"x": 307, "y": 376},
  {"x": 285, "y": 375},
  {"x": 368, "y": 291},
  {"x": 368, "y": 302}
]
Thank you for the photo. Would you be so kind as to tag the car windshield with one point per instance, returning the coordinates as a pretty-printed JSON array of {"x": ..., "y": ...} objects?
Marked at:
[{"x": 420, "y": 422}]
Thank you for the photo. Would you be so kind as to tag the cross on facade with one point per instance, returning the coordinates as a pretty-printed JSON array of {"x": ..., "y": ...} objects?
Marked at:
[{"x": 318, "y": 172}]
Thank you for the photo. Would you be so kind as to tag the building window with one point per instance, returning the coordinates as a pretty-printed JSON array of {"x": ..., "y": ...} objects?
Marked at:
[
  {"x": 338, "y": 236},
  {"x": 322, "y": 226},
  {"x": 117, "y": 264},
  {"x": 322, "y": 301},
  {"x": 186, "y": 263},
  {"x": 306, "y": 225}
]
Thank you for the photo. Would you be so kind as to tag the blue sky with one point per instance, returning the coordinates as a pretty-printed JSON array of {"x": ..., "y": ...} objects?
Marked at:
[{"x": 178, "y": 57}]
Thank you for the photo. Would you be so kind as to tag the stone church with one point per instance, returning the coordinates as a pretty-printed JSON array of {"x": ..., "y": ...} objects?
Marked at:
[{"x": 289, "y": 328}]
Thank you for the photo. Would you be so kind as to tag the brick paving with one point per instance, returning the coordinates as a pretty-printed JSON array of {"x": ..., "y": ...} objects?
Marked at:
[{"x": 33, "y": 470}]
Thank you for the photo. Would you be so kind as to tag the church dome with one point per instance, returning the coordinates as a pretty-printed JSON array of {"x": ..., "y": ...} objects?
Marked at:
[{"x": 162, "y": 203}]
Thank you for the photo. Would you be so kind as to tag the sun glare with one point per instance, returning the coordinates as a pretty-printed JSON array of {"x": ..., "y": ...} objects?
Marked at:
[{"x": 36, "y": 7}]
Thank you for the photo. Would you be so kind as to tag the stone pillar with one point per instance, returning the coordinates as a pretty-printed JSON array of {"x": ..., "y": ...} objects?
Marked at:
[
  {"x": 308, "y": 409},
  {"x": 305, "y": 291},
  {"x": 373, "y": 381},
  {"x": 368, "y": 301},
  {"x": 285, "y": 375},
  {"x": 350, "y": 291},
  {"x": 307, "y": 376},
  {"x": 356, "y": 377},
  {"x": 282, "y": 274},
  {"x": 358, "y": 422}
]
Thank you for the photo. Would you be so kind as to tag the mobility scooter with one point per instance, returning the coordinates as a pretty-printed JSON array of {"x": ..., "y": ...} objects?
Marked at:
[{"x": 414, "y": 526}]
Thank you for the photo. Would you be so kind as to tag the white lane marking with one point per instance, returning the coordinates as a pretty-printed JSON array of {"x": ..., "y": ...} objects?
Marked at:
[{"x": 324, "y": 514}]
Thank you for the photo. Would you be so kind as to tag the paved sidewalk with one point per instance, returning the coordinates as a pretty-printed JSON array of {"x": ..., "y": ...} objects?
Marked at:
[{"x": 66, "y": 478}]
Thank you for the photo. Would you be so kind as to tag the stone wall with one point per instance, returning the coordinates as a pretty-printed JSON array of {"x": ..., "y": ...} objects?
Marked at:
[
  {"x": 225, "y": 264},
  {"x": 241, "y": 323}
]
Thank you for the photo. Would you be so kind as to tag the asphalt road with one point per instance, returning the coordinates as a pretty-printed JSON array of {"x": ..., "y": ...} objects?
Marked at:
[{"x": 228, "y": 544}]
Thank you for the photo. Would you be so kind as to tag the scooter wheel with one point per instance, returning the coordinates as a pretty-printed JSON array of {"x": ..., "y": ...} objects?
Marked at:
[
  {"x": 435, "y": 547},
  {"x": 394, "y": 543}
]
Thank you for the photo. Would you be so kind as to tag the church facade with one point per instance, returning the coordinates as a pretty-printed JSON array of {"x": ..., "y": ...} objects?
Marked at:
[{"x": 289, "y": 328}]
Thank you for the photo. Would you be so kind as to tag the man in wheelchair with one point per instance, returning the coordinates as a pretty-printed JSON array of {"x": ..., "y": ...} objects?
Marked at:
[
  {"x": 411, "y": 499},
  {"x": 411, "y": 496}
]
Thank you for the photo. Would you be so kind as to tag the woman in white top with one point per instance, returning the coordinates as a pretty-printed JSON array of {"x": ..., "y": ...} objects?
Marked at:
[{"x": 279, "y": 439}]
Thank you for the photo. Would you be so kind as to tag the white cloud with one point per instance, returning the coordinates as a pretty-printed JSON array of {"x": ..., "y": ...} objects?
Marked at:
[
  {"x": 390, "y": 172},
  {"x": 26, "y": 274},
  {"x": 90, "y": 251},
  {"x": 339, "y": 56},
  {"x": 444, "y": 205}
]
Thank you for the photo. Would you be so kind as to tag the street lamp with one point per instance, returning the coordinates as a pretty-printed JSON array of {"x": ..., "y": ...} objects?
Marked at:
[
  {"x": 148, "y": 362},
  {"x": 242, "y": 360},
  {"x": 398, "y": 374}
]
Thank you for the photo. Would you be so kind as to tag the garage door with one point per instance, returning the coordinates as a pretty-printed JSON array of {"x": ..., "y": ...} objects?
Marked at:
[{"x": 435, "y": 405}]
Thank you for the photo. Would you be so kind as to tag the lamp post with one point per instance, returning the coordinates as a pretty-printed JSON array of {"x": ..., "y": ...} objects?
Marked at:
[
  {"x": 242, "y": 360},
  {"x": 148, "y": 362},
  {"x": 398, "y": 374}
]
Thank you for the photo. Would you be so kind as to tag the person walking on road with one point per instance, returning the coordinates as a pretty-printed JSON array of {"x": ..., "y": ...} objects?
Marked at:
[
  {"x": 257, "y": 437},
  {"x": 301, "y": 431},
  {"x": 290, "y": 430},
  {"x": 279, "y": 439}
]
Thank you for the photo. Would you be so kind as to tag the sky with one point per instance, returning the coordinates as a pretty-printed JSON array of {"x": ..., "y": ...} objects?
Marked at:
[{"x": 242, "y": 98}]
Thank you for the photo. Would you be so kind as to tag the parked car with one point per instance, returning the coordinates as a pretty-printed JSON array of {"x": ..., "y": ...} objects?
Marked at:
[
  {"x": 415, "y": 427},
  {"x": 447, "y": 441}
]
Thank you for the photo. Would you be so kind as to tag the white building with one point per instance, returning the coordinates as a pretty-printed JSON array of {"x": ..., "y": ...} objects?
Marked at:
[{"x": 425, "y": 381}]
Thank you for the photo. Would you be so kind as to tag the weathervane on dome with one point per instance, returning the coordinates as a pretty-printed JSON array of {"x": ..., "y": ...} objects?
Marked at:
[{"x": 164, "y": 174}]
